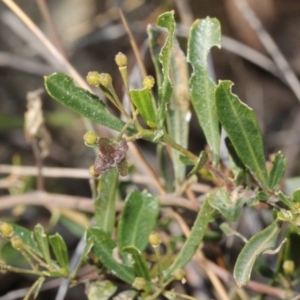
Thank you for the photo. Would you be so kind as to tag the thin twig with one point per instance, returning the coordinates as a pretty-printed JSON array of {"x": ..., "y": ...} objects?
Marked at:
[
  {"x": 42, "y": 4},
  {"x": 80, "y": 203},
  {"x": 21, "y": 293},
  {"x": 24, "y": 64},
  {"x": 270, "y": 46},
  {"x": 146, "y": 166},
  {"x": 133, "y": 45},
  {"x": 185, "y": 13},
  {"x": 251, "y": 55},
  {"x": 84, "y": 174}
]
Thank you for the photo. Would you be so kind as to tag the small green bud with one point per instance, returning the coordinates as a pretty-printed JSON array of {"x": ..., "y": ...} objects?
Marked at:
[
  {"x": 105, "y": 79},
  {"x": 92, "y": 172},
  {"x": 16, "y": 242},
  {"x": 6, "y": 229},
  {"x": 90, "y": 139},
  {"x": 121, "y": 60},
  {"x": 179, "y": 274},
  {"x": 64, "y": 271},
  {"x": 148, "y": 82},
  {"x": 139, "y": 283},
  {"x": 297, "y": 206},
  {"x": 288, "y": 266},
  {"x": 93, "y": 78},
  {"x": 155, "y": 239}
]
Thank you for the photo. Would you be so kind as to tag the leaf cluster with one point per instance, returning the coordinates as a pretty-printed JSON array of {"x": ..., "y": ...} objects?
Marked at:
[{"x": 165, "y": 122}]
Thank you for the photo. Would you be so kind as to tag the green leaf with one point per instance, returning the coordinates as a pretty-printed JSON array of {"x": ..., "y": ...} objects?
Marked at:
[
  {"x": 285, "y": 199},
  {"x": 137, "y": 220},
  {"x": 63, "y": 89},
  {"x": 277, "y": 171},
  {"x": 296, "y": 196},
  {"x": 242, "y": 128},
  {"x": 178, "y": 114},
  {"x": 185, "y": 160},
  {"x": 203, "y": 157},
  {"x": 145, "y": 104},
  {"x": 27, "y": 238},
  {"x": 103, "y": 247},
  {"x": 229, "y": 207},
  {"x": 257, "y": 245},
  {"x": 155, "y": 35},
  {"x": 105, "y": 202},
  {"x": 100, "y": 290},
  {"x": 193, "y": 241},
  {"x": 165, "y": 167},
  {"x": 139, "y": 265},
  {"x": 73, "y": 226},
  {"x": 204, "y": 34},
  {"x": 167, "y": 21},
  {"x": 42, "y": 241},
  {"x": 60, "y": 250}
]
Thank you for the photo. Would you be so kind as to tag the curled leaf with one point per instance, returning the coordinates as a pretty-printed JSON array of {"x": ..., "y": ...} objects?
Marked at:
[{"x": 111, "y": 155}]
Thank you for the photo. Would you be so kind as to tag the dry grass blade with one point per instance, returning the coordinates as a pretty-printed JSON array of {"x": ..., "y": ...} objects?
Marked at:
[
  {"x": 270, "y": 46},
  {"x": 133, "y": 45}
]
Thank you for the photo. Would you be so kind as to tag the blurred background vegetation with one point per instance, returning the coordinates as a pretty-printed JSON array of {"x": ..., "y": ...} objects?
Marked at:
[{"x": 91, "y": 33}]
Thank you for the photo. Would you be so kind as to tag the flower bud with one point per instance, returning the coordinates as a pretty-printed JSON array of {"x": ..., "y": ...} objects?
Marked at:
[
  {"x": 92, "y": 172},
  {"x": 64, "y": 271},
  {"x": 90, "y": 138},
  {"x": 288, "y": 266},
  {"x": 148, "y": 82},
  {"x": 121, "y": 60},
  {"x": 179, "y": 274},
  {"x": 16, "y": 242},
  {"x": 155, "y": 239},
  {"x": 6, "y": 229},
  {"x": 93, "y": 78},
  {"x": 139, "y": 283},
  {"x": 105, "y": 79}
]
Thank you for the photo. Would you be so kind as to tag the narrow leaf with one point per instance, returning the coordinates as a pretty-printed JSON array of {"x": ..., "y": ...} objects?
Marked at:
[
  {"x": 103, "y": 247},
  {"x": 278, "y": 170},
  {"x": 42, "y": 242},
  {"x": 155, "y": 36},
  {"x": 145, "y": 104},
  {"x": 27, "y": 238},
  {"x": 204, "y": 34},
  {"x": 60, "y": 250},
  {"x": 285, "y": 199},
  {"x": 257, "y": 245},
  {"x": 167, "y": 21},
  {"x": 139, "y": 265},
  {"x": 203, "y": 157},
  {"x": 105, "y": 210},
  {"x": 137, "y": 220},
  {"x": 165, "y": 167},
  {"x": 178, "y": 114},
  {"x": 242, "y": 128},
  {"x": 186, "y": 161},
  {"x": 193, "y": 241},
  {"x": 63, "y": 89},
  {"x": 296, "y": 196}
]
